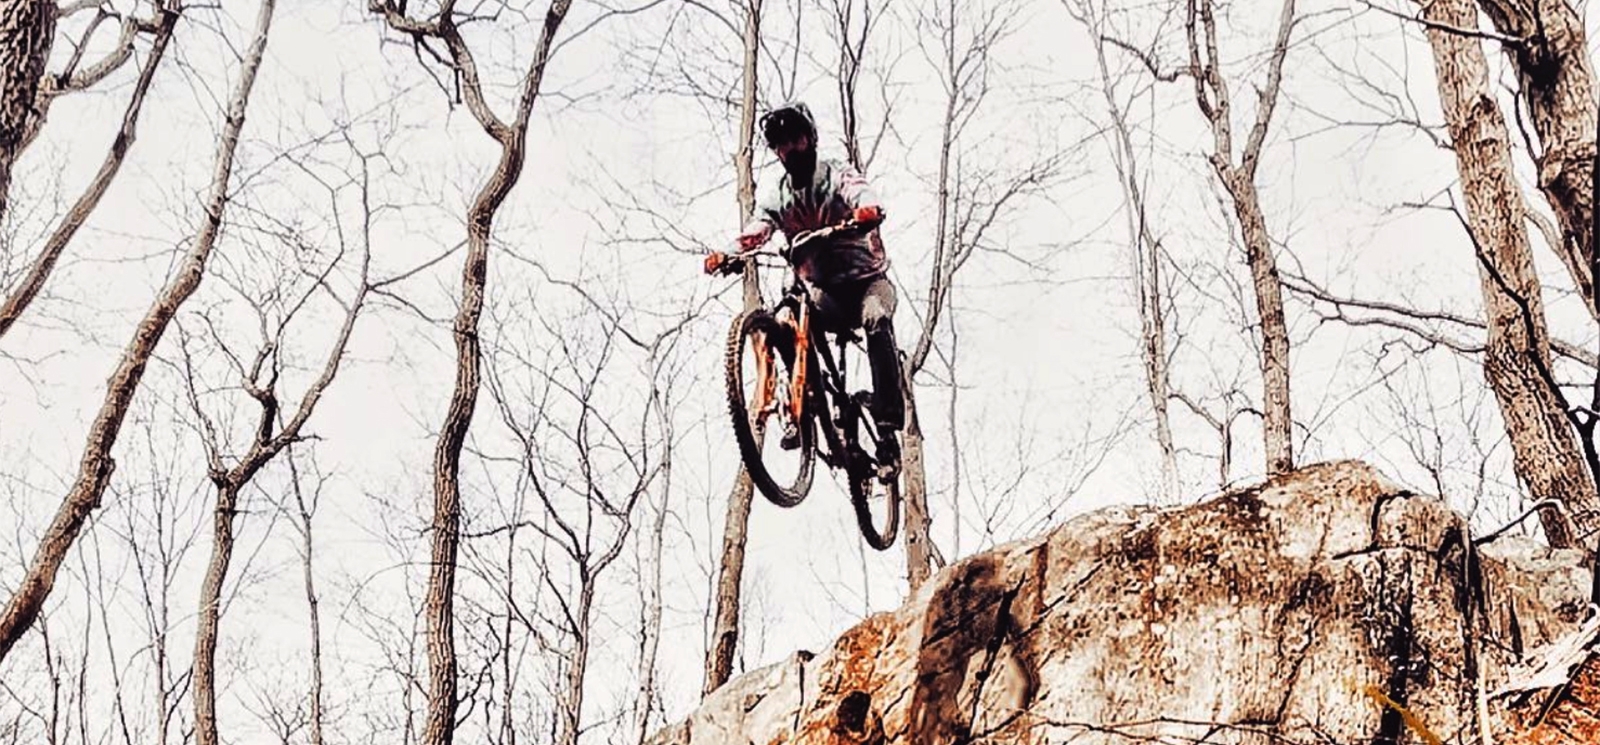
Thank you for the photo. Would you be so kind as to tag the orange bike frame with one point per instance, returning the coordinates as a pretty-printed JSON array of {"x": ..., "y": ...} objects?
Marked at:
[
  {"x": 766, "y": 381},
  {"x": 802, "y": 353},
  {"x": 766, "y": 371}
]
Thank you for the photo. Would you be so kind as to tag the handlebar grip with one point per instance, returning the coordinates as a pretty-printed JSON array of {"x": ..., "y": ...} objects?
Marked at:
[{"x": 733, "y": 264}]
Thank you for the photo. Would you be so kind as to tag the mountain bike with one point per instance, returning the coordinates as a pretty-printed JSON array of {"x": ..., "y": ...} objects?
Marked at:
[{"x": 801, "y": 383}]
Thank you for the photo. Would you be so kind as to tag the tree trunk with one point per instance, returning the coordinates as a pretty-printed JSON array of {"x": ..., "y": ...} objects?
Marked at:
[
  {"x": 919, "y": 551},
  {"x": 308, "y": 583},
  {"x": 316, "y": 639},
  {"x": 919, "y": 548},
  {"x": 1157, "y": 378},
  {"x": 508, "y": 729},
  {"x": 96, "y": 466},
  {"x": 1214, "y": 101},
  {"x": 159, "y": 618},
  {"x": 1146, "y": 252},
  {"x": 1153, "y": 337},
  {"x": 205, "y": 638},
  {"x": 1277, "y": 424},
  {"x": 913, "y": 464},
  {"x": 439, "y": 607},
  {"x": 570, "y": 724},
  {"x": 27, "y": 28},
  {"x": 1517, "y": 358},
  {"x": 31, "y": 284},
  {"x": 1557, "y": 81},
  {"x": 650, "y": 631},
  {"x": 735, "y": 527}
]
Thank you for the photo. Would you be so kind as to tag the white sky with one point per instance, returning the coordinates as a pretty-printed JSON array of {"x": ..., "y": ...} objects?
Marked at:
[{"x": 1047, "y": 358}]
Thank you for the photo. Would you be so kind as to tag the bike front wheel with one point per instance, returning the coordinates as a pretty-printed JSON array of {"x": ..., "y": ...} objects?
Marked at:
[{"x": 759, "y": 367}]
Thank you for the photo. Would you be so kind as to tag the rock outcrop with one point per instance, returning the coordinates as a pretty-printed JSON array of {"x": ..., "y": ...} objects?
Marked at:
[{"x": 1325, "y": 606}]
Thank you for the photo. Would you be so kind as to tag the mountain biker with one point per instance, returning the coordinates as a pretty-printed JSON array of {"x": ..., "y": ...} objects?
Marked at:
[{"x": 846, "y": 274}]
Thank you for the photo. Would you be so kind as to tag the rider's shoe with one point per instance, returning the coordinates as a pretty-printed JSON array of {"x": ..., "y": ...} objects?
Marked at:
[{"x": 791, "y": 436}]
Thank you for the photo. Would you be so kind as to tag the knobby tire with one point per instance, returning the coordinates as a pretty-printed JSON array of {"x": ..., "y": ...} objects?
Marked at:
[
  {"x": 861, "y": 489},
  {"x": 744, "y": 325}
]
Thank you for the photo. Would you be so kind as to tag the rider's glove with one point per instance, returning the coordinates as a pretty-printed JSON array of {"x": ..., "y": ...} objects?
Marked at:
[
  {"x": 714, "y": 261},
  {"x": 868, "y": 213}
]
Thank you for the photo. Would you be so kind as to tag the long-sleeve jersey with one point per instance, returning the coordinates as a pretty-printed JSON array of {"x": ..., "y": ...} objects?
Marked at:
[{"x": 836, "y": 189}]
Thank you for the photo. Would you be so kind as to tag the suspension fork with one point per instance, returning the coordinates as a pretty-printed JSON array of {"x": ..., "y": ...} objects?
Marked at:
[
  {"x": 801, "y": 323},
  {"x": 766, "y": 377}
]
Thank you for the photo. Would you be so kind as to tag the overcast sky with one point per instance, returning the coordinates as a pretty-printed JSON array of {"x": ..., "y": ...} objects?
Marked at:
[{"x": 629, "y": 179}]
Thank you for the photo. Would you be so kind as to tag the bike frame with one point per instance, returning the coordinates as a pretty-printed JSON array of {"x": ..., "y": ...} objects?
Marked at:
[
  {"x": 790, "y": 328},
  {"x": 815, "y": 373},
  {"x": 810, "y": 346}
]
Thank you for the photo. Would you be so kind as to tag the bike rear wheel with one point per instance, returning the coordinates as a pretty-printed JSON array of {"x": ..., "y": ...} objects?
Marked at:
[
  {"x": 874, "y": 494},
  {"x": 877, "y": 505},
  {"x": 754, "y": 334}
]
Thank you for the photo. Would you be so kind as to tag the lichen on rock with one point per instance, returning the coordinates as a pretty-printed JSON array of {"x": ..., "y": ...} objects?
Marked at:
[{"x": 1326, "y": 605}]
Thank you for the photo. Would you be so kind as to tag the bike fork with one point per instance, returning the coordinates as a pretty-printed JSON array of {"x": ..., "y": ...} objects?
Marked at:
[
  {"x": 767, "y": 380},
  {"x": 802, "y": 353}
]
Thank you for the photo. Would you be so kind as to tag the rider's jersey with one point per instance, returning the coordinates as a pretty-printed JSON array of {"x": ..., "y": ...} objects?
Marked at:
[{"x": 836, "y": 189}]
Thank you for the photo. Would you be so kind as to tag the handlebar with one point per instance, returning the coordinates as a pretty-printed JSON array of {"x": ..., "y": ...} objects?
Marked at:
[
  {"x": 735, "y": 262},
  {"x": 829, "y": 230}
]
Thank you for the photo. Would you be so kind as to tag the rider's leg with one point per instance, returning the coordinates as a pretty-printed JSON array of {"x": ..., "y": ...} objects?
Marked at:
[{"x": 888, "y": 402}]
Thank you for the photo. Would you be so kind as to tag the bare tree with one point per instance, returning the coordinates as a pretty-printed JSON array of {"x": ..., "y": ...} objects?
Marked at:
[
  {"x": 396, "y": 632},
  {"x": 851, "y": 30},
  {"x": 852, "y": 26},
  {"x": 155, "y": 506},
  {"x": 650, "y": 612},
  {"x": 969, "y": 202},
  {"x": 589, "y": 470},
  {"x": 735, "y": 527},
  {"x": 305, "y": 510},
  {"x": 97, "y": 464},
  {"x": 1211, "y": 95},
  {"x": 281, "y": 312},
  {"x": 1145, "y": 248},
  {"x": 591, "y": 443},
  {"x": 1238, "y": 178},
  {"x": 17, "y": 300},
  {"x": 444, "y": 27},
  {"x": 1547, "y": 43},
  {"x": 1517, "y": 364},
  {"x": 79, "y": 73}
]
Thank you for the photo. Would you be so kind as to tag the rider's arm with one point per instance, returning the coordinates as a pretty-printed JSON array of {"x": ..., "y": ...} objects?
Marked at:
[
  {"x": 756, "y": 232},
  {"x": 763, "y": 221},
  {"x": 853, "y": 188}
]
